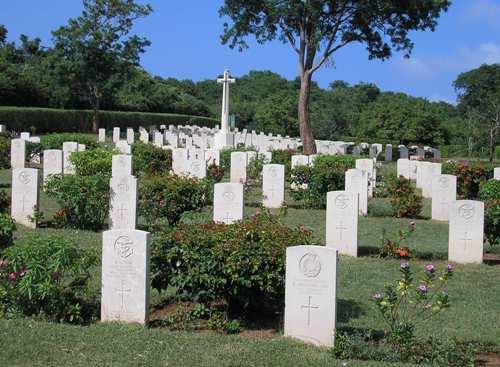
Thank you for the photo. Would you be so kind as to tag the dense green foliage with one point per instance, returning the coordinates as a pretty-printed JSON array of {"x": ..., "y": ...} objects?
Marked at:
[
  {"x": 84, "y": 200},
  {"x": 92, "y": 162},
  {"x": 4, "y": 152},
  {"x": 45, "y": 120},
  {"x": 163, "y": 200},
  {"x": 490, "y": 194},
  {"x": 313, "y": 182},
  {"x": 150, "y": 160},
  {"x": 7, "y": 228},
  {"x": 46, "y": 278},
  {"x": 242, "y": 264},
  {"x": 56, "y": 140}
]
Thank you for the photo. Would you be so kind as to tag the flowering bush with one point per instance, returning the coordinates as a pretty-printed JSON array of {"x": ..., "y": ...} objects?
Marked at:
[
  {"x": 469, "y": 177},
  {"x": 7, "y": 228},
  {"x": 242, "y": 264},
  {"x": 45, "y": 278},
  {"x": 490, "y": 194},
  {"x": 404, "y": 199},
  {"x": 215, "y": 173},
  {"x": 408, "y": 302},
  {"x": 397, "y": 248},
  {"x": 163, "y": 200},
  {"x": 84, "y": 200},
  {"x": 312, "y": 183}
]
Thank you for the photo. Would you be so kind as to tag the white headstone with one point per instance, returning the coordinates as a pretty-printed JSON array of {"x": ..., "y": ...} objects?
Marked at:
[
  {"x": 444, "y": 194},
  {"x": 238, "y": 167},
  {"x": 273, "y": 185},
  {"x": 388, "y": 153},
  {"x": 179, "y": 161},
  {"x": 367, "y": 165},
  {"x": 69, "y": 148},
  {"x": 130, "y": 136},
  {"x": 25, "y": 136},
  {"x": 121, "y": 165},
  {"x": 496, "y": 173},
  {"x": 123, "y": 147},
  {"x": 197, "y": 167},
  {"x": 356, "y": 181},
  {"x": 123, "y": 202},
  {"x": 17, "y": 153},
  {"x": 403, "y": 168},
  {"x": 403, "y": 152},
  {"x": 300, "y": 160},
  {"x": 125, "y": 276},
  {"x": 466, "y": 232},
  {"x": 342, "y": 222},
  {"x": 310, "y": 294},
  {"x": 116, "y": 135},
  {"x": 102, "y": 135},
  {"x": 228, "y": 202},
  {"x": 52, "y": 163},
  {"x": 25, "y": 195}
]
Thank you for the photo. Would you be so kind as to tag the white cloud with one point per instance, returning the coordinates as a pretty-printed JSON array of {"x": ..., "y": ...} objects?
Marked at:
[
  {"x": 485, "y": 53},
  {"x": 440, "y": 98}
]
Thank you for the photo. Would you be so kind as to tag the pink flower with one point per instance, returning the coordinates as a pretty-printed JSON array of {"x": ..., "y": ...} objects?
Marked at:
[
  {"x": 450, "y": 267},
  {"x": 404, "y": 266},
  {"x": 429, "y": 268},
  {"x": 12, "y": 276},
  {"x": 377, "y": 296},
  {"x": 423, "y": 288},
  {"x": 23, "y": 273}
]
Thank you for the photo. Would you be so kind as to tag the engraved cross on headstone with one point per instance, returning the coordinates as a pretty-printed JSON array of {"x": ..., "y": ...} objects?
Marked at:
[
  {"x": 466, "y": 239},
  {"x": 24, "y": 202},
  {"x": 309, "y": 307},
  {"x": 341, "y": 227},
  {"x": 228, "y": 218},
  {"x": 122, "y": 292},
  {"x": 121, "y": 211},
  {"x": 272, "y": 190}
]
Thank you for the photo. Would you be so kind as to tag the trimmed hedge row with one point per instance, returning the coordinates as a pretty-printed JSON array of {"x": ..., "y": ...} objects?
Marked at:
[{"x": 47, "y": 120}]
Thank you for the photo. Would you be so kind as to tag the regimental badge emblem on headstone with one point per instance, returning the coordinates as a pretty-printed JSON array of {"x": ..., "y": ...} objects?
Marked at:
[
  {"x": 124, "y": 247},
  {"x": 466, "y": 211},
  {"x": 228, "y": 195},
  {"x": 310, "y": 265},
  {"x": 342, "y": 201}
]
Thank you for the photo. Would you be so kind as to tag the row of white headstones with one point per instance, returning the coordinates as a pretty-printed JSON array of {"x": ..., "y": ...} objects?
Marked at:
[{"x": 311, "y": 271}]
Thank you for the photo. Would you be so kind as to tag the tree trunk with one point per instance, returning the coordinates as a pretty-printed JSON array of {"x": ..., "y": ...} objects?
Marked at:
[
  {"x": 95, "y": 120},
  {"x": 308, "y": 143},
  {"x": 491, "y": 148}
]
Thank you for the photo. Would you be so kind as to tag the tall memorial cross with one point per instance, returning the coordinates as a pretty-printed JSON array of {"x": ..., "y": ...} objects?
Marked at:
[{"x": 225, "y": 81}]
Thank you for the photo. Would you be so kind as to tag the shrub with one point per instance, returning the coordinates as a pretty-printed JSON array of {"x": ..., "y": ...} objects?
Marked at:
[
  {"x": 404, "y": 304},
  {"x": 255, "y": 166},
  {"x": 55, "y": 141},
  {"x": 397, "y": 248},
  {"x": 45, "y": 278},
  {"x": 4, "y": 201},
  {"x": 150, "y": 160},
  {"x": 163, "y": 200},
  {"x": 404, "y": 199},
  {"x": 469, "y": 177},
  {"x": 47, "y": 120},
  {"x": 7, "y": 228},
  {"x": 215, "y": 173},
  {"x": 93, "y": 161},
  {"x": 242, "y": 264},
  {"x": 327, "y": 174},
  {"x": 490, "y": 194},
  {"x": 84, "y": 200},
  {"x": 4, "y": 152}
]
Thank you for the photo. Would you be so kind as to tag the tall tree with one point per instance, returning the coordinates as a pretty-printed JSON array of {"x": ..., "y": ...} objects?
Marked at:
[
  {"x": 316, "y": 29},
  {"x": 96, "y": 45},
  {"x": 479, "y": 98}
]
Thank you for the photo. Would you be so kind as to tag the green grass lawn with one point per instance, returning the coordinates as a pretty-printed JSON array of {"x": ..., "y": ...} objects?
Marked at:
[{"x": 474, "y": 315}]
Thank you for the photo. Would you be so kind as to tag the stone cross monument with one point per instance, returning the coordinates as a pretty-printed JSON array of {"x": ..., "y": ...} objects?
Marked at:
[{"x": 224, "y": 138}]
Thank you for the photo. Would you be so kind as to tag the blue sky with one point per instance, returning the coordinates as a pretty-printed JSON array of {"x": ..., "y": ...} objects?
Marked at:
[{"x": 186, "y": 45}]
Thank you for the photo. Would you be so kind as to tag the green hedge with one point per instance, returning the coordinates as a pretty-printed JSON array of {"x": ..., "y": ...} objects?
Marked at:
[{"x": 47, "y": 120}]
